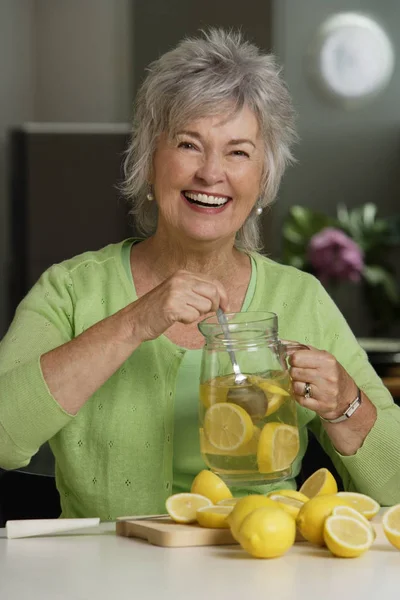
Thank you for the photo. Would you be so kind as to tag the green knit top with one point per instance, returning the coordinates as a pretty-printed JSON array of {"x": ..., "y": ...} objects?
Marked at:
[{"x": 115, "y": 457}]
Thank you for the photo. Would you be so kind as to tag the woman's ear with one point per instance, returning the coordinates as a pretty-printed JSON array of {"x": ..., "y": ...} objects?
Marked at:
[{"x": 150, "y": 175}]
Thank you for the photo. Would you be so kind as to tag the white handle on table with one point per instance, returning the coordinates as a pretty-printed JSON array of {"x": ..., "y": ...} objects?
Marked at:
[{"x": 32, "y": 527}]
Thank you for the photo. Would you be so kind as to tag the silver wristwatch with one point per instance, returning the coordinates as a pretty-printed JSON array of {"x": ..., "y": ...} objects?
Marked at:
[{"x": 351, "y": 409}]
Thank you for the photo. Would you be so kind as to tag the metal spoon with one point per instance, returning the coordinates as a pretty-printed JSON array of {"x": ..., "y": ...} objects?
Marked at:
[{"x": 246, "y": 395}]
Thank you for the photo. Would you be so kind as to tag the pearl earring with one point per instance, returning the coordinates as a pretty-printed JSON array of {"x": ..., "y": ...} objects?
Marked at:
[
  {"x": 259, "y": 211},
  {"x": 150, "y": 197}
]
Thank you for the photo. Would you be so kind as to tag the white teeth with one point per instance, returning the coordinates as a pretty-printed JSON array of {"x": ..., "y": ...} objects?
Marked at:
[{"x": 206, "y": 199}]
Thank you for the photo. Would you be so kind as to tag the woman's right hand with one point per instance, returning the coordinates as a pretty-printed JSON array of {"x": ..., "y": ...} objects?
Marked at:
[{"x": 182, "y": 298}]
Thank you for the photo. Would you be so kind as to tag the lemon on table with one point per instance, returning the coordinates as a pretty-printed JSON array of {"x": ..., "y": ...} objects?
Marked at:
[
  {"x": 347, "y": 537},
  {"x": 290, "y": 494},
  {"x": 182, "y": 508},
  {"x": 245, "y": 506},
  {"x": 277, "y": 447},
  {"x": 228, "y": 426},
  {"x": 319, "y": 483},
  {"x": 364, "y": 504},
  {"x": 312, "y": 515},
  {"x": 348, "y": 511},
  {"x": 214, "y": 516},
  {"x": 267, "y": 532},
  {"x": 208, "y": 484},
  {"x": 391, "y": 525},
  {"x": 290, "y": 505}
]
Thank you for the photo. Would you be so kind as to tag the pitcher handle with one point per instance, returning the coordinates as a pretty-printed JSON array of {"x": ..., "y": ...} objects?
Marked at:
[{"x": 290, "y": 346}]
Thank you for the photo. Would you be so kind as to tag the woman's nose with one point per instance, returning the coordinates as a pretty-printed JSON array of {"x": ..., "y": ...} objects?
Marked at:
[{"x": 211, "y": 169}]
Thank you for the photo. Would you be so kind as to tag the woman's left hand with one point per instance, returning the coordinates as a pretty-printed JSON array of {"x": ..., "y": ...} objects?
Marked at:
[{"x": 331, "y": 389}]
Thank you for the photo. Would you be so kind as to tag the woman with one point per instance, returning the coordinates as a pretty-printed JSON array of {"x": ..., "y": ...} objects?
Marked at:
[{"x": 103, "y": 356}]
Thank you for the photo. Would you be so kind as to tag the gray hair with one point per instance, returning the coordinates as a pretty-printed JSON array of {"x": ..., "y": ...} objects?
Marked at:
[{"x": 201, "y": 77}]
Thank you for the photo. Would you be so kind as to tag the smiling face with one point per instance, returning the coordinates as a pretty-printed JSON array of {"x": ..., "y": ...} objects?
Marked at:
[{"x": 207, "y": 179}]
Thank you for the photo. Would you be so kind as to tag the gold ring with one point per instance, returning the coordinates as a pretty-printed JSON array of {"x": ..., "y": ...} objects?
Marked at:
[{"x": 307, "y": 391}]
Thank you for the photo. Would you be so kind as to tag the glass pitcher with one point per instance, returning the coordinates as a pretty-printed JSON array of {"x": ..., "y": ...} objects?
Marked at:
[{"x": 248, "y": 431}]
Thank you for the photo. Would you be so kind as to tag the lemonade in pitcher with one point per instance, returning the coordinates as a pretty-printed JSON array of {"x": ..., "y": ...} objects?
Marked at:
[{"x": 248, "y": 431}]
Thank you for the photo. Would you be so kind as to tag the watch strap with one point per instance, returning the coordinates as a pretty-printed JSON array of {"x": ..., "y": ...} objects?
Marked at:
[{"x": 351, "y": 409}]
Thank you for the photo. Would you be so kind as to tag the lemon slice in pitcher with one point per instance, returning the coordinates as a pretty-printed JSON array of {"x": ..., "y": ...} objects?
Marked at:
[
  {"x": 268, "y": 385},
  {"x": 228, "y": 426},
  {"x": 277, "y": 447},
  {"x": 276, "y": 395}
]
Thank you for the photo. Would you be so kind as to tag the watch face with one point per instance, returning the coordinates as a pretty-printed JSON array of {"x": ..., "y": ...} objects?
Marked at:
[{"x": 352, "y": 58}]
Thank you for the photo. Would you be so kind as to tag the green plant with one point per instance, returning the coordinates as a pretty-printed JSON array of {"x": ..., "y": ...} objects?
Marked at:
[{"x": 308, "y": 234}]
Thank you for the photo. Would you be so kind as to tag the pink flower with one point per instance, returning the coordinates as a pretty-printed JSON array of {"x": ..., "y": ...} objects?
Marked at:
[{"x": 334, "y": 255}]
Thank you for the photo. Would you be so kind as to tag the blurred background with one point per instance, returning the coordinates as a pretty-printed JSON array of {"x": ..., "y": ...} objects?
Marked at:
[{"x": 69, "y": 70}]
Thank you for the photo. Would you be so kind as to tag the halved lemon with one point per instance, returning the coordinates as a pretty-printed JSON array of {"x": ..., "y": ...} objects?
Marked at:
[
  {"x": 245, "y": 450},
  {"x": 182, "y": 508},
  {"x": 290, "y": 505},
  {"x": 214, "y": 516},
  {"x": 391, "y": 525},
  {"x": 348, "y": 511},
  {"x": 271, "y": 386},
  {"x": 228, "y": 502},
  {"x": 290, "y": 494},
  {"x": 277, "y": 447},
  {"x": 276, "y": 395},
  {"x": 275, "y": 401},
  {"x": 313, "y": 514},
  {"x": 321, "y": 482},
  {"x": 208, "y": 484},
  {"x": 347, "y": 537},
  {"x": 364, "y": 504},
  {"x": 228, "y": 426}
]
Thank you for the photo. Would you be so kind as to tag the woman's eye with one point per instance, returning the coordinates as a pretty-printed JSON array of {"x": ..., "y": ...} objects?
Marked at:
[
  {"x": 187, "y": 145},
  {"x": 240, "y": 153}
]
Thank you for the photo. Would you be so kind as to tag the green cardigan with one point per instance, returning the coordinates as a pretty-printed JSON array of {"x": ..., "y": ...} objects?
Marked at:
[{"x": 115, "y": 456}]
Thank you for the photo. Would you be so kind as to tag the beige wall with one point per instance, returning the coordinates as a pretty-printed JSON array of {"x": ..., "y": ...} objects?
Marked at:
[
  {"x": 84, "y": 60},
  {"x": 160, "y": 24},
  {"x": 344, "y": 156},
  {"x": 16, "y": 105},
  {"x": 81, "y": 60},
  {"x": 60, "y": 60}
]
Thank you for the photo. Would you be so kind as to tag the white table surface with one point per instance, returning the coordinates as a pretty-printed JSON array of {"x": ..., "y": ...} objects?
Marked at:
[{"x": 102, "y": 566}]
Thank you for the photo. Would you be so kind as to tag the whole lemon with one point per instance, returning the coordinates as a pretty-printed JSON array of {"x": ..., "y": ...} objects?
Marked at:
[
  {"x": 245, "y": 506},
  {"x": 267, "y": 532},
  {"x": 208, "y": 484},
  {"x": 311, "y": 518}
]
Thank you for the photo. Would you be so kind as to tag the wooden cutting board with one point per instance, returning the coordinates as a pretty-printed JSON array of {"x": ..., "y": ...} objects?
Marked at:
[{"x": 165, "y": 532}]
